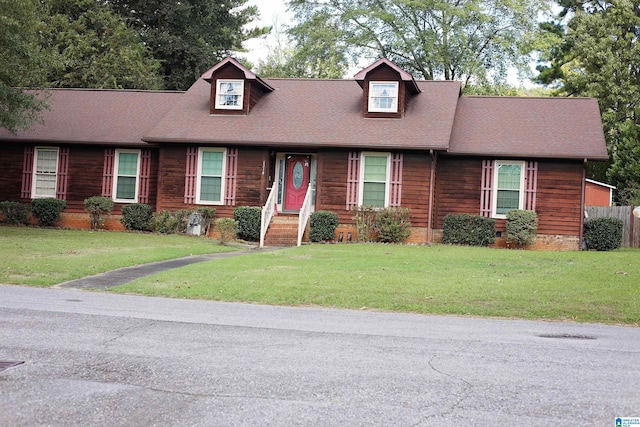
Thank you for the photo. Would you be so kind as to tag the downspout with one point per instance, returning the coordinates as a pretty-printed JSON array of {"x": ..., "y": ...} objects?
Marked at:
[
  {"x": 431, "y": 189},
  {"x": 582, "y": 201}
]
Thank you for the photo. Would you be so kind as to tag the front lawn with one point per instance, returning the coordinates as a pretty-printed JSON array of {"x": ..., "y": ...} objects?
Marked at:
[
  {"x": 580, "y": 286},
  {"x": 43, "y": 257}
]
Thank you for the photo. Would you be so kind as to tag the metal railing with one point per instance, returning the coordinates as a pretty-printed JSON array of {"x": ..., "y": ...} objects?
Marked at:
[
  {"x": 268, "y": 211},
  {"x": 305, "y": 213}
]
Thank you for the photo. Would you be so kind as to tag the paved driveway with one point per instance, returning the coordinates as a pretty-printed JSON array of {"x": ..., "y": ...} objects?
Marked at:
[{"x": 115, "y": 360}]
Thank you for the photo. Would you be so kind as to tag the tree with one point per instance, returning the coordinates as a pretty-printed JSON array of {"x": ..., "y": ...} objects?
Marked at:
[
  {"x": 189, "y": 36},
  {"x": 471, "y": 40},
  {"x": 21, "y": 63},
  {"x": 96, "y": 48},
  {"x": 597, "y": 54}
]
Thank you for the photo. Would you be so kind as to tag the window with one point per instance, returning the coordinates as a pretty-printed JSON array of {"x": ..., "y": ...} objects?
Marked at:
[
  {"x": 127, "y": 171},
  {"x": 45, "y": 172},
  {"x": 211, "y": 173},
  {"x": 229, "y": 94},
  {"x": 383, "y": 97},
  {"x": 508, "y": 187},
  {"x": 374, "y": 180}
]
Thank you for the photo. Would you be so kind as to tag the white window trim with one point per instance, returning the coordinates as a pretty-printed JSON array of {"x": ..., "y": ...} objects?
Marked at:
[
  {"x": 372, "y": 108},
  {"x": 495, "y": 189},
  {"x": 223, "y": 176},
  {"x": 116, "y": 174},
  {"x": 34, "y": 179},
  {"x": 220, "y": 106},
  {"x": 387, "y": 177}
]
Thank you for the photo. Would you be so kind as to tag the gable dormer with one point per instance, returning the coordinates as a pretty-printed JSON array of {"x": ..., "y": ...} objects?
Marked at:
[
  {"x": 234, "y": 88},
  {"x": 386, "y": 89}
]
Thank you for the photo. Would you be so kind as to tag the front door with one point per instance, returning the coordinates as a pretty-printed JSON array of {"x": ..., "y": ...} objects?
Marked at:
[{"x": 297, "y": 181}]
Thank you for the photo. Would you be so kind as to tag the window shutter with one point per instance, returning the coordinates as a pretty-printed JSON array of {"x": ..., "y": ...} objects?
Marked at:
[
  {"x": 232, "y": 172},
  {"x": 486, "y": 188},
  {"x": 353, "y": 174},
  {"x": 396, "y": 180},
  {"x": 145, "y": 176},
  {"x": 27, "y": 173},
  {"x": 531, "y": 185},
  {"x": 63, "y": 173},
  {"x": 107, "y": 174},
  {"x": 191, "y": 176}
]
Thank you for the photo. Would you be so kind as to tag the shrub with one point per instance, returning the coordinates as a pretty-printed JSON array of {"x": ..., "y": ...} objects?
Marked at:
[
  {"x": 47, "y": 211},
  {"x": 248, "y": 219},
  {"x": 521, "y": 227},
  {"x": 603, "y": 234},
  {"x": 228, "y": 229},
  {"x": 99, "y": 208},
  {"x": 466, "y": 229},
  {"x": 393, "y": 225},
  {"x": 323, "y": 226},
  {"x": 15, "y": 213},
  {"x": 165, "y": 222},
  {"x": 137, "y": 217},
  {"x": 365, "y": 219}
]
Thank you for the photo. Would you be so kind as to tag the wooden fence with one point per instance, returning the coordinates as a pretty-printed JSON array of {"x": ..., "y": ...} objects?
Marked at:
[{"x": 631, "y": 227}]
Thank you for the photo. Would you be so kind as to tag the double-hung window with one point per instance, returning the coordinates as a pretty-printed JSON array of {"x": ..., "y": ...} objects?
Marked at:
[
  {"x": 126, "y": 176},
  {"x": 211, "y": 174},
  {"x": 383, "y": 97},
  {"x": 45, "y": 172},
  {"x": 229, "y": 94},
  {"x": 374, "y": 180},
  {"x": 508, "y": 187}
]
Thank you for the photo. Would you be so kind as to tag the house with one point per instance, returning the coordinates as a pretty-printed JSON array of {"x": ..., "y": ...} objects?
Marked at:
[
  {"x": 598, "y": 193},
  {"x": 298, "y": 145}
]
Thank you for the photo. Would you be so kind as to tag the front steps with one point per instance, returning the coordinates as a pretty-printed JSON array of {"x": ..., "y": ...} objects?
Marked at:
[{"x": 283, "y": 231}]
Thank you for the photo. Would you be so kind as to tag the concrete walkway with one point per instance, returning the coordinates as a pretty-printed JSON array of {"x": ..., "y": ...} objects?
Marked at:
[{"x": 124, "y": 275}]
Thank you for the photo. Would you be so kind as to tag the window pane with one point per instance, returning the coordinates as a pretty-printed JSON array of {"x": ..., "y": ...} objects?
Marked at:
[
  {"x": 210, "y": 189},
  {"x": 507, "y": 200},
  {"x": 212, "y": 163},
  {"x": 128, "y": 164},
  {"x": 46, "y": 185},
  {"x": 126, "y": 189},
  {"x": 383, "y": 90},
  {"x": 373, "y": 194},
  {"x": 46, "y": 162},
  {"x": 509, "y": 177},
  {"x": 230, "y": 93},
  {"x": 375, "y": 168}
]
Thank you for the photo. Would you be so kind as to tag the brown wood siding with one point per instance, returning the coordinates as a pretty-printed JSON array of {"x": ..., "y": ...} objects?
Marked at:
[
  {"x": 86, "y": 166},
  {"x": 11, "y": 167},
  {"x": 331, "y": 184},
  {"x": 457, "y": 188},
  {"x": 384, "y": 73},
  {"x": 559, "y": 197},
  {"x": 251, "y": 183},
  {"x": 416, "y": 173}
]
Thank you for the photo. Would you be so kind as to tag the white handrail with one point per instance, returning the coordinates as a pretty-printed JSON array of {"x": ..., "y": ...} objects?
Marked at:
[
  {"x": 267, "y": 213},
  {"x": 305, "y": 213}
]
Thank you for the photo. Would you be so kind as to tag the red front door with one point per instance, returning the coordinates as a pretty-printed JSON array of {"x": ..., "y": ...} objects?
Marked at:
[{"x": 296, "y": 182}]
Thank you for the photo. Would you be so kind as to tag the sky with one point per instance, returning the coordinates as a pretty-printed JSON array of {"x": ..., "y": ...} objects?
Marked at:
[{"x": 271, "y": 12}]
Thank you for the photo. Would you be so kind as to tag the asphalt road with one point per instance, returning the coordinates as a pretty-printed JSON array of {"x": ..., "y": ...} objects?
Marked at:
[{"x": 98, "y": 359}]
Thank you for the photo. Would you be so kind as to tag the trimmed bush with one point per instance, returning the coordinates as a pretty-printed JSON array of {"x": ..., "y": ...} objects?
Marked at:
[
  {"x": 322, "y": 226},
  {"x": 137, "y": 217},
  {"x": 165, "y": 222},
  {"x": 47, "y": 210},
  {"x": 471, "y": 230},
  {"x": 521, "y": 227},
  {"x": 15, "y": 213},
  {"x": 365, "y": 220},
  {"x": 603, "y": 234},
  {"x": 393, "y": 225},
  {"x": 248, "y": 219},
  {"x": 99, "y": 208},
  {"x": 228, "y": 229}
]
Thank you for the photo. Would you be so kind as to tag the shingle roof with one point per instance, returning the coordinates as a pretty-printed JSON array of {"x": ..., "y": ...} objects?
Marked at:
[
  {"x": 313, "y": 113},
  {"x": 94, "y": 116},
  {"x": 528, "y": 127}
]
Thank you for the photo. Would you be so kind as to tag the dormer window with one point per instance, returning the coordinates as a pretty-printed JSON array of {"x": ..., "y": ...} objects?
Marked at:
[
  {"x": 229, "y": 94},
  {"x": 383, "y": 97}
]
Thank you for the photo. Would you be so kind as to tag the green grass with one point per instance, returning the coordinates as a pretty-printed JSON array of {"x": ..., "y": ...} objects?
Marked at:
[
  {"x": 579, "y": 286},
  {"x": 43, "y": 257}
]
